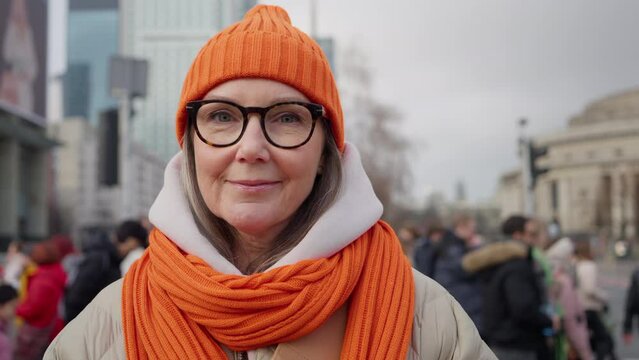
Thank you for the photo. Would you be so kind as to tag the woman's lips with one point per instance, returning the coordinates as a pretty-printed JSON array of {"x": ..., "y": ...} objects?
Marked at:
[{"x": 254, "y": 185}]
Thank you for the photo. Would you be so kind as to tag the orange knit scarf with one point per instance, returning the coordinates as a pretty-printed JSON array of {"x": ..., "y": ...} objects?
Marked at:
[{"x": 175, "y": 306}]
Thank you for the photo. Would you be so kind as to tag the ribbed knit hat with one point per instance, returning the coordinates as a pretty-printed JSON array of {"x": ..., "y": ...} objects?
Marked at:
[{"x": 264, "y": 45}]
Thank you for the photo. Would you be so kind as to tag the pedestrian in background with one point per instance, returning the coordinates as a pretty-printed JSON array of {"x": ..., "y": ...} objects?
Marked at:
[
  {"x": 408, "y": 236},
  {"x": 564, "y": 294},
  {"x": 594, "y": 300},
  {"x": 537, "y": 237},
  {"x": 268, "y": 240},
  {"x": 97, "y": 267},
  {"x": 631, "y": 313},
  {"x": 8, "y": 304},
  {"x": 426, "y": 250},
  {"x": 66, "y": 254},
  {"x": 38, "y": 307},
  {"x": 131, "y": 241},
  {"x": 16, "y": 262},
  {"x": 448, "y": 271},
  {"x": 64, "y": 244},
  {"x": 514, "y": 323}
]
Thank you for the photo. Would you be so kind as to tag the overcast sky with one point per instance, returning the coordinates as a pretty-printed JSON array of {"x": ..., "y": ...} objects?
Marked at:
[{"x": 463, "y": 72}]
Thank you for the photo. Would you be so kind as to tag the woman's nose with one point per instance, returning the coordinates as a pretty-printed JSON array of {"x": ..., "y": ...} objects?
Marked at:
[{"x": 253, "y": 146}]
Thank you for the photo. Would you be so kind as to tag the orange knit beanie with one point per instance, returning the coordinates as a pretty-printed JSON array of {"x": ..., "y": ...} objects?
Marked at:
[{"x": 264, "y": 45}]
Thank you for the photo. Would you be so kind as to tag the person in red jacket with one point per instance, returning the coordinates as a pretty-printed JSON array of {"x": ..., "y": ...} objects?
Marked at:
[{"x": 39, "y": 306}]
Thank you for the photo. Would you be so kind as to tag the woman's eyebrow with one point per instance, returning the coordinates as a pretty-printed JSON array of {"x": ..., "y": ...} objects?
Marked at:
[
  {"x": 219, "y": 97},
  {"x": 285, "y": 99}
]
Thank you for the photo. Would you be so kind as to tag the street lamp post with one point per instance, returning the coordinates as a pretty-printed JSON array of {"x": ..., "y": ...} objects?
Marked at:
[{"x": 524, "y": 153}]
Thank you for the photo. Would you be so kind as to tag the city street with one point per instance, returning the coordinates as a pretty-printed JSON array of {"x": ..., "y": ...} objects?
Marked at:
[{"x": 232, "y": 159}]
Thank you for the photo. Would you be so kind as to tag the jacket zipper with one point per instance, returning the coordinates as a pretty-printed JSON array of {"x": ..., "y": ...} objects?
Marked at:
[{"x": 240, "y": 355}]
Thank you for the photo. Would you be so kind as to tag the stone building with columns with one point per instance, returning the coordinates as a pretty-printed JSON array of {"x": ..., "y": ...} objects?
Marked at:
[
  {"x": 593, "y": 182},
  {"x": 24, "y": 175}
]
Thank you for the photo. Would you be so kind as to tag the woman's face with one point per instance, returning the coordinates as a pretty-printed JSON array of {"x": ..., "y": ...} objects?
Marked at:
[{"x": 253, "y": 185}]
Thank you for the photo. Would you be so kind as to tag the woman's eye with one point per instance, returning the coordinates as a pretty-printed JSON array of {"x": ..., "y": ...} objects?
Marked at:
[
  {"x": 221, "y": 116},
  {"x": 289, "y": 118}
]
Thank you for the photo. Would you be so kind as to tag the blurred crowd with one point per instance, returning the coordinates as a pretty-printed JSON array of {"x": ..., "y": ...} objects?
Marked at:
[
  {"x": 532, "y": 294},
  {"x": 47, "y": 284}
]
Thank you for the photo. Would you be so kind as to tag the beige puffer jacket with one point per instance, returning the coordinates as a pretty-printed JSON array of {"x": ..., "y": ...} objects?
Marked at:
[{"x": 441, "y": 330}]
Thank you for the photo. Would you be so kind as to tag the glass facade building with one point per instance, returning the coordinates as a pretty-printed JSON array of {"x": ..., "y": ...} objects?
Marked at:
[
  {"x": 169, "y": 34},
  {"x": 92, "y": 39}
]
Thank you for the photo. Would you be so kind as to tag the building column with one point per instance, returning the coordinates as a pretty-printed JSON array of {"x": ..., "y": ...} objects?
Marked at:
[
  {"x": 565, "y": 211},
  {"x": 617, "y": 211},
  {"x": 9, "y": 187},
  {"x": 629, "y": 205},
  {"x": 36, "y": 190}
]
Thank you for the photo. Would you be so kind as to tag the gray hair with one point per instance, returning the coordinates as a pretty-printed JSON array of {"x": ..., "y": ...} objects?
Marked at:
[{"x": 223, "y": 236}]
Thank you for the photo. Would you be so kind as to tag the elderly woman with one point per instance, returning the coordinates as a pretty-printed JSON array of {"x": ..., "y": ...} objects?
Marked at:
[{"x": 267, "y": 240}]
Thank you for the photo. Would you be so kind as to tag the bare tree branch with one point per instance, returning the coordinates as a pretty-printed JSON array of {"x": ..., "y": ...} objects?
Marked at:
[{"x": 376, "y": 131}]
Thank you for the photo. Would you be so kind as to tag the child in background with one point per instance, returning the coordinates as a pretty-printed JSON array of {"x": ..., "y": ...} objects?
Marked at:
[{"x": 8, "y": 304}]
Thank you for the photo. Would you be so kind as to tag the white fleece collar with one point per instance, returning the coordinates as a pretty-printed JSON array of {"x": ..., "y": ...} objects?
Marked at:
[{"x": 354, "y": 211}]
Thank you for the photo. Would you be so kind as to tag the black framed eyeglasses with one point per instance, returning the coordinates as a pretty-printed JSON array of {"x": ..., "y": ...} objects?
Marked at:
[{"x": 221, "y": 123}]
